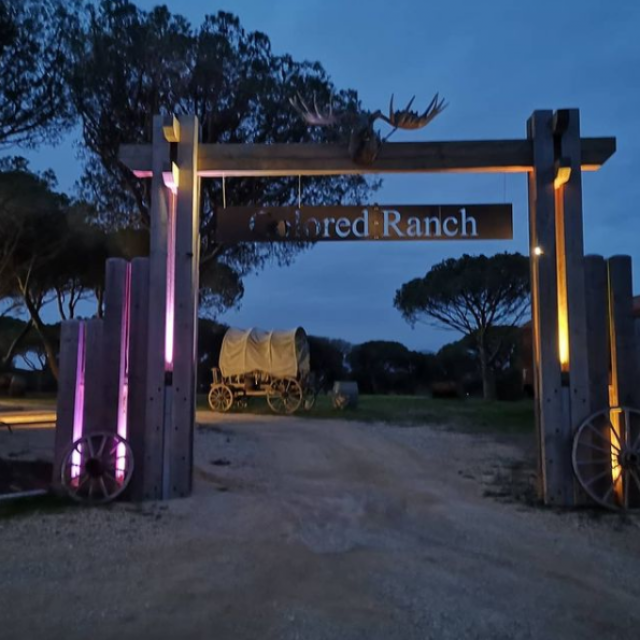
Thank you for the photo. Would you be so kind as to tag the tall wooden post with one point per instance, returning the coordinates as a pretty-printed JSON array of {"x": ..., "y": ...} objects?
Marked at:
[
  {"x": 597, "y": 314},
  {"x": 560, "y": 327},
  {"x": 569, "y": 232},
  {"x": 157, "y": 376},
  {"x": 625, "y": 390},
  {"x": 114, "y": 340},
  {"x": 137, "y": 371},
  {"x": 169, "y": 411},
  {"x": 187, "y": 241},
  {"x": 551, "y": 407}
]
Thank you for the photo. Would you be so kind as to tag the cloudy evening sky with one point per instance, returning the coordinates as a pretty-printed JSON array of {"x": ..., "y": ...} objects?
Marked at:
[{"x": 495, "y": 62}]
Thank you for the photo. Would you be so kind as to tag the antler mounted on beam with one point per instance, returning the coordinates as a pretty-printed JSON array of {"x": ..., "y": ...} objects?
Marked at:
[
  {"x": 365, "y": 141},
  {"x": 314, "y": 117},
  {"x": 406, "y": 119}
]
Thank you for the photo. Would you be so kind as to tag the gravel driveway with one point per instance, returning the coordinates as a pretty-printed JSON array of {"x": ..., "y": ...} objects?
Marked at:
[{"x": 316, "y": 529}]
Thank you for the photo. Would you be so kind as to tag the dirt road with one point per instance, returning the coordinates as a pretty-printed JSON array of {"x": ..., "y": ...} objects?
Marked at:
[{"x": 315, "y": 529}]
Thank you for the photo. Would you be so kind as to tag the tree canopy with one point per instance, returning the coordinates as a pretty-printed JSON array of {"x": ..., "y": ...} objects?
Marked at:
[
  {"x": 384, "y": 366},
  {"x": 472, "y": 295},
  {"x": 50, "y": 252},
  {"x": 131, "y": 64},
  {"x": 34, "y": 101}
]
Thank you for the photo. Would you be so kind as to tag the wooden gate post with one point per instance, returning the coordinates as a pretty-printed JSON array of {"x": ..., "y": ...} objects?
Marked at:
[
  {"x": 551, "y": 411},
  {"x": 116, "y": 302},
  {"x": 186, "y": 270},
  {"x": 71, "y": 365},
  {"x": 597, "y": 313},
  {"x": 571, "y": 265},
  {"x": 157, "y": 377},
  {"x": 137, "y": 370},
  {"x": 625, "y": 371}
]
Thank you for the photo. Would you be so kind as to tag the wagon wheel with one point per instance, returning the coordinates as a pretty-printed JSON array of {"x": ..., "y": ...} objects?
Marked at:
[
  {"x": 285, "y": 395},
  {"x": 309, "y": 398},
  {"x": 220, "y": 398},
  {"x": 97, "y": 467},
  {"x": 606, "y": 458},
  {"x": 242, "y": 402}
]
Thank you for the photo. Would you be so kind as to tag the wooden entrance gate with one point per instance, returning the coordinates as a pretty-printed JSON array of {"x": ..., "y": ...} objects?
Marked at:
[{"x": 134, "y": 372}]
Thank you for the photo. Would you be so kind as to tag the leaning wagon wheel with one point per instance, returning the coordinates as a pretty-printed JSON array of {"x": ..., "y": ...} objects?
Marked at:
[
  {"x": 309, "y": 398},
  {"x": 97, "y": 467},
  {"x": 606, "y": 458},
  {"x": 220, "y": 398},
  {"x": 285, "y": 395}
]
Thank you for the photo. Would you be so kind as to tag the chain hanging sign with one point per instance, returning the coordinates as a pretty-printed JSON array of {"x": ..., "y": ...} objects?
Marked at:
[{"x": 388, "y": 222}]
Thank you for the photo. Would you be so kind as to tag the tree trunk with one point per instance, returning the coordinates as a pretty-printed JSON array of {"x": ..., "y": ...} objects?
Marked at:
[
  {"x": 100, "y": 301},
  {"x": 8, "y": 356},
  {"x": 42, "y": 333},
  {"x": 488, "y": 380}
]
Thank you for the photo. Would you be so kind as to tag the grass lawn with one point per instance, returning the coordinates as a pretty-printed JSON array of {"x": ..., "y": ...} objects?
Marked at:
[
  {"x": 33, "y": 401},
  {"x": 470, "y": 414}
]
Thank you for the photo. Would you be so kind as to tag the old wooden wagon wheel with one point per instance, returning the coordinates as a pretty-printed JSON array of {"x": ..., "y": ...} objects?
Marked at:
[
  {"x": 309, "y": 398},
  {"x": 285, "y": 395},
  {"x": 606, "y": 458},
  {"x": 97, "y": 467},
  {"x": 220, "y": 398}
]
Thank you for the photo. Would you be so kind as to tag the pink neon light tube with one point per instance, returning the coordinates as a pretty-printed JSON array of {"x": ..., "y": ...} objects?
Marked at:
[
  {"x": 171, "y": 276},
  {"x": 123, "y": 376},
  {"x": 78, "y": 406}
]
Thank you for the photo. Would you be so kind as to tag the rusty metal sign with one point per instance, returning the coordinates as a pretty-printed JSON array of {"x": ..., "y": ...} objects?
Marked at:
[{"x": 388, "y": 222}]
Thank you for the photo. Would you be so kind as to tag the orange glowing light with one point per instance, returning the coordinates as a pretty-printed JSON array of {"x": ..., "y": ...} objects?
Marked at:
[
  {"x": 561, "y": 263},
  {"x": 562, "y": 176}
]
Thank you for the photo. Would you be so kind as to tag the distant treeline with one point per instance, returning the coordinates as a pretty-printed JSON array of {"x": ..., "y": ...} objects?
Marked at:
[
  {"x": 384, "y": 366},
  {"x": 378, "y": 366}
]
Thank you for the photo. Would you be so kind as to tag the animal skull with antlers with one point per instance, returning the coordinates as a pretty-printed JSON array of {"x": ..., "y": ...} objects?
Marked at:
[{"x": 365, "y": 141}]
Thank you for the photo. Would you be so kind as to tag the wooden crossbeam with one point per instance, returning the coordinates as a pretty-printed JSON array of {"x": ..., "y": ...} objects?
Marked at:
[{"x": 263, "y": 160}]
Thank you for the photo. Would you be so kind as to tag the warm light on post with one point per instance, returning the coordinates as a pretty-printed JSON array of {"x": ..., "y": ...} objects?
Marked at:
[{"x": 563, "y": 173}]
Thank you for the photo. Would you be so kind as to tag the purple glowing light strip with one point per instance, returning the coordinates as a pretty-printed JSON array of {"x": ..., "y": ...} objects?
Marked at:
[
  {"x": 78, "y": 406},
  {"x": 171, "y": 276},
  {"x": 123, "y": 377}
]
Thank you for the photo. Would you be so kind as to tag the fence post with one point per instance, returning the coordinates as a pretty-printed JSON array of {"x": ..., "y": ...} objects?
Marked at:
[
  {"x": 625, "y": 387},
  {"x": 70, "y": 361},
  {"x": 94, "y": 401}
]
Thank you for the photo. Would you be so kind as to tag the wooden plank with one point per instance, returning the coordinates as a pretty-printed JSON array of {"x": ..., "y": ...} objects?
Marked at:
[
  {"x": 625, "y": 373},
  {"x": 115, "y": 303},
  {"x": 94, "y": 400},
  {"x": 137, "y": 371},
  {"x": 597, "y": 316},
  {"x": 157, "y": 292},
  {"x": 69, "y": 363},
  {"x": 475, "y": 156},
  {"x": 624, "y": 358},
  {"x": 597, "y": 326},
  {"x": 571, "y": 251},
  {"x": 186, "y": 296},
  {"x": 436, "y": 222},
  {"x": 553, "y": 424}
]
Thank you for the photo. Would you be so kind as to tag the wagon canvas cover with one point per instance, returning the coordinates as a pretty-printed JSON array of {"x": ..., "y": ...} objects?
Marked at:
[{"x": 278, "y": 353}]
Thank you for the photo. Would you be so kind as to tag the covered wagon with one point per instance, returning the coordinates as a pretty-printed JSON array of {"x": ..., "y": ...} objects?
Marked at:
[{"x": 270, "y": 364}]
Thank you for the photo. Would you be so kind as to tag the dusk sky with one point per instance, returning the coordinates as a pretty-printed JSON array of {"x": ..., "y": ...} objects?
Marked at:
[{"x": 494, "y": 62}]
